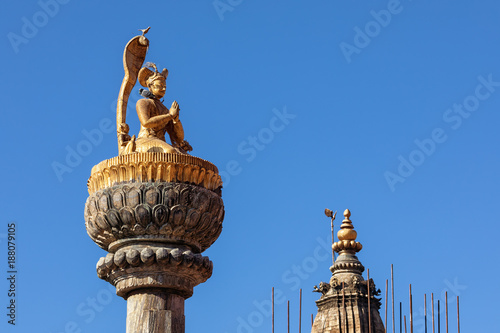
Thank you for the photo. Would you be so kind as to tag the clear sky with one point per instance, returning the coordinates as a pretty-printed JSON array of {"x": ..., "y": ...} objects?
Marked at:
[{"x": 388, "y": 108}]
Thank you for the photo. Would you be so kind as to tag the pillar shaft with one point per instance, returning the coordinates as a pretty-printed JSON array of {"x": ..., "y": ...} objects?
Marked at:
[{"x": 154, "y": 310}]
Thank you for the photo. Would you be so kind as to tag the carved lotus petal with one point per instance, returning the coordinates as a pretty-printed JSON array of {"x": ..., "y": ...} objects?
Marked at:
[
  {"x": 201, "y": 201},
  {"x": 92, "y": 205},
  {"x": 152, "y": 196},
  {"x": 177, "y": 215},
  {"x": 142, "y": 215},
  {"x": 118, "y": 199},
  {"x": 133, "y": 197},
  {"x": 205, "y": 222},
  {"x": 184, "y": 197},
  {"x": 171, "y": 197},
  {"x": 160, "y": 215},
  {"x": 113, "y": 218},
  {"x": 127, "y": 216},
  {"x": 193, "y": 216},
  {"x": 101, "y": 222}
]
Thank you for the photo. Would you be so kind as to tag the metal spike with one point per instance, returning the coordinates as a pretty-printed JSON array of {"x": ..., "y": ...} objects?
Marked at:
[
  {"x": 392, "y": 296},
  {"x": 425, "y": 312},
  {"x": 439, "y": 318},
  {"x": 344, "y": 309},
  {"x": 386, "y": 291},
  {"x": 288, "y": 315},
  {"x": 446, "y": 309},
  {"x": 432, "y": 301},
  {"x": 300, "y": 310},
  {"x": 369, "y": 310},
  {"x": 272, "y": 301},
  {"x": 411, "y": 312}
]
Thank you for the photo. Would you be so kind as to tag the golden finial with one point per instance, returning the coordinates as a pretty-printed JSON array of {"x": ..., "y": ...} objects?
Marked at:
[
  {"x": 347, "y": 236},
  {"x": 347, "y": 231}
]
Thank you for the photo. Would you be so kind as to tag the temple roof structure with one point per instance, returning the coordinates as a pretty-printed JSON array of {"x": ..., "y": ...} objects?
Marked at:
[{"x": 348, "y": 303}]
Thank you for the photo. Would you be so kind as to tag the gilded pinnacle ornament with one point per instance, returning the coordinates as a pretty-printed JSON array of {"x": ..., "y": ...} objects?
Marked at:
[
  {"x": 154, "y": 208},
  {"x": 347, "y": 236}
]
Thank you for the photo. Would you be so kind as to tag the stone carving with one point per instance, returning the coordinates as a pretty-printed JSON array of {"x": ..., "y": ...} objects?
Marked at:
[
  {"x": 356, "y": 286},
  {"x": 175, "y": 269},
  {"x": 171, "y": 212},
  {"x": 356, "y": 280},
  {"x": 323, "y": 288},
  {"x": 349, "y": 266},
  {"x": 334, "y": 282}
]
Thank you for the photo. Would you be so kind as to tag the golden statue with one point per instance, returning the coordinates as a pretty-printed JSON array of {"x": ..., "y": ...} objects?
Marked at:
[{"x": 156, "y": 119}]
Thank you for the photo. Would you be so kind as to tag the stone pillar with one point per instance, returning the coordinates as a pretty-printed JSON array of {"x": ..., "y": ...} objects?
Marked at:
[
  {"x": 155, "y": 213},
  {"x": 343, "y": 306},
  {"x": 154, "y": 310}
]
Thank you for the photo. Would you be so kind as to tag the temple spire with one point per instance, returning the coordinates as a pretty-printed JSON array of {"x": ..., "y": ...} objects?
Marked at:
[{"x": 343, "y": 305}]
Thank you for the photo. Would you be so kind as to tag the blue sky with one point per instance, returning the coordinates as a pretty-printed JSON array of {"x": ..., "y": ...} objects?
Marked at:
[{"x": 387, "y": 108}]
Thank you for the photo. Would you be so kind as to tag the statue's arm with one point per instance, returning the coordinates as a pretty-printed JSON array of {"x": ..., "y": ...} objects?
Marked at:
[
  {"x": 144, "y": 107},
  {"x": 177, "y": 131}
]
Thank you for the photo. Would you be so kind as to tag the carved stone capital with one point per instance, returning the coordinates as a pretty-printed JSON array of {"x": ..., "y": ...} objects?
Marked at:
[
  {"x": 154, "y": 213},
  {"x": 154, "y": 266},
  {"x": 173, "y": 213},
  {"x": 351, "y": 266}
]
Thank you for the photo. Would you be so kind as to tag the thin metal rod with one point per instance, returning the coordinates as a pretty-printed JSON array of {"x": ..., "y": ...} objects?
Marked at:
[
  {"x": 386, "y": 298},
  {"x": 411, "y": 312},
  {"x": 425, "y": 312},
  {"x": 272, "y": 301},
  {"x": 439, "y": 318},
  {"x": 312, "y": 320},
  {"x": 432, "y": 301},
  {"x": 344, "y": 310},
  {"x": 288, "y": 315},
  {"x": 400, "y": 318},
  {"x": 300, "y": 310},
  {"x": 458, "y": 316},
  {"x": 333, "y": 239},
  {"x": 446, "y": 309},
  {"x": 392, "y": 296},
  {"x": 405, "y": 324},
  {"x": 369, "y": 310}
]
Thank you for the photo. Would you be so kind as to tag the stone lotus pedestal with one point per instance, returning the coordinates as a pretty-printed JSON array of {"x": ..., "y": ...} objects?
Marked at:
[{"x": 155, "y": 213}]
